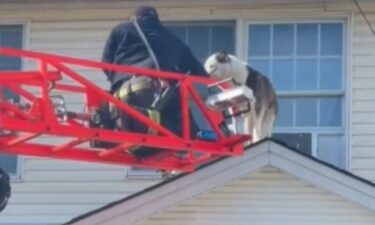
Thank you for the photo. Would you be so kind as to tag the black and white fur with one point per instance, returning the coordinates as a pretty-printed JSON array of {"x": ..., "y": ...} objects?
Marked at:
[{"x": 260, "y": 120}]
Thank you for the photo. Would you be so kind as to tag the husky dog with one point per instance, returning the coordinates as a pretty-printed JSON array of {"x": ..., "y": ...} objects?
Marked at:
[{"x": 260, "y": 119}]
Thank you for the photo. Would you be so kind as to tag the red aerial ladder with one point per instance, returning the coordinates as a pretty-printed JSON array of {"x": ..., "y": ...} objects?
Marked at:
[{"x": 40, "y": 114}]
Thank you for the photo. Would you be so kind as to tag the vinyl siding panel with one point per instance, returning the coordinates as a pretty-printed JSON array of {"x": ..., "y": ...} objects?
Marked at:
[
  {"x": 268, "y": 196},
  {"x": 363, "y": 98},
  {"x": 66, "y": 189}
]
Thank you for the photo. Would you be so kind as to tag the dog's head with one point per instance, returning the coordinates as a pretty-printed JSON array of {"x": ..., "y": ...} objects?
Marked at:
[
  {"x": 222, "y": 65},
  {"x": 218, "y": 65}
]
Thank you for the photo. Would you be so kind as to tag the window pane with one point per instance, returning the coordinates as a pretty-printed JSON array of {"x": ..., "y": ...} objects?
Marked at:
[
  {"x": 10, "y": 96},
  {"x": 259, "y": 43},
  {"x": 282, "y": 76},
  {"x": 307, "y": 39},
  {"x": 10, "y": 36},
  {"x": 331, "y": 74},
  {"x": 330, "y": 112},
  {"x": 261, "y": 65},
  {"x": 10, "y": 66},
  {"x": 283, "y": 40},
  {"x": 222, "y": 38},
  {"x": 8, "y": 163},
  {"x": 331, "y": 149},
  {"x": 206, "y": 39},
  {"x": 198, "y": 42},
  {"x": 9, "y": 61},
  {"x": 306, "y": 112},
  {"x": 301, "y": 142},
  {"x": 285, "y": 115},
  {"x": 331, "y": 39},
  {"x": 196, "y": 112},
  {"x": 307, "y": 74}
]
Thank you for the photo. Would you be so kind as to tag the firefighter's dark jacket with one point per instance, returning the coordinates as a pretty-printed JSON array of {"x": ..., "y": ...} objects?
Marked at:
[{"x": 125, "y": 47}]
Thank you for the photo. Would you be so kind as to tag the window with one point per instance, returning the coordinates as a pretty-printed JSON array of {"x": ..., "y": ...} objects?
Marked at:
[
  {"x": 305, "y": 62},
  {"x": 10, "y": 36},
  {"x": 203, "y": 38}
]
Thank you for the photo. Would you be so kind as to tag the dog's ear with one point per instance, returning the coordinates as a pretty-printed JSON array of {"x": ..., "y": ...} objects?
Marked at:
[{"x": 222, "y": 57}]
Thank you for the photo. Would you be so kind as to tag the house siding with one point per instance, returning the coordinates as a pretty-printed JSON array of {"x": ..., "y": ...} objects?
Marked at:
[
  {"x": 363, "y": 97},
  {"x": 52, "y": 191},
  {"x": 268, "y": 196}
]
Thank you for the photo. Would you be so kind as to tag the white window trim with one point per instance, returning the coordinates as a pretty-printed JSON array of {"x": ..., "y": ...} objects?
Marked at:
[
  {"x": 349, "y": 89},
  {"x": 26, "y": 45},
  {"x": 347, "y": 22}
]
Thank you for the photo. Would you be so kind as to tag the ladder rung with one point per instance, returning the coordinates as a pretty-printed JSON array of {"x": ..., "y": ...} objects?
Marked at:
[
  {"x": 22, "y": 138},
  {"x": 114, "y": 150},
  {"x": 69, "y": 144}
]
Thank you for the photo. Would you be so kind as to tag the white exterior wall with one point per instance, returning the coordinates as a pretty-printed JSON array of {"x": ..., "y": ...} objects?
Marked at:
[
  {"x": 363, "y": 98},
  {"x": 266, "y": 197},
  {"x": 55, "y": 191}
]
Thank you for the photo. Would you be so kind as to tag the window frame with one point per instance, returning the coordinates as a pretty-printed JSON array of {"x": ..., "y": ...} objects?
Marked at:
[
  {"x": 345, "y": 93},
  {"x": 25, "y": 24}
]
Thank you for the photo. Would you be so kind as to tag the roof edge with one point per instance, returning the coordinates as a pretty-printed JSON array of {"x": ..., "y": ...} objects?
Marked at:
[{"x": 208, "y": 165}]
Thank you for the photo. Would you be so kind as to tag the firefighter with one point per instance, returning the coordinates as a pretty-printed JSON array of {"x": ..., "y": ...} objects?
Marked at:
[{"x": 145, "y": 42}]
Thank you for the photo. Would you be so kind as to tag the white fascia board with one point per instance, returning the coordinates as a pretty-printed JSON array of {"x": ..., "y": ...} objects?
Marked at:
[{"x": 322, "y": 176}]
